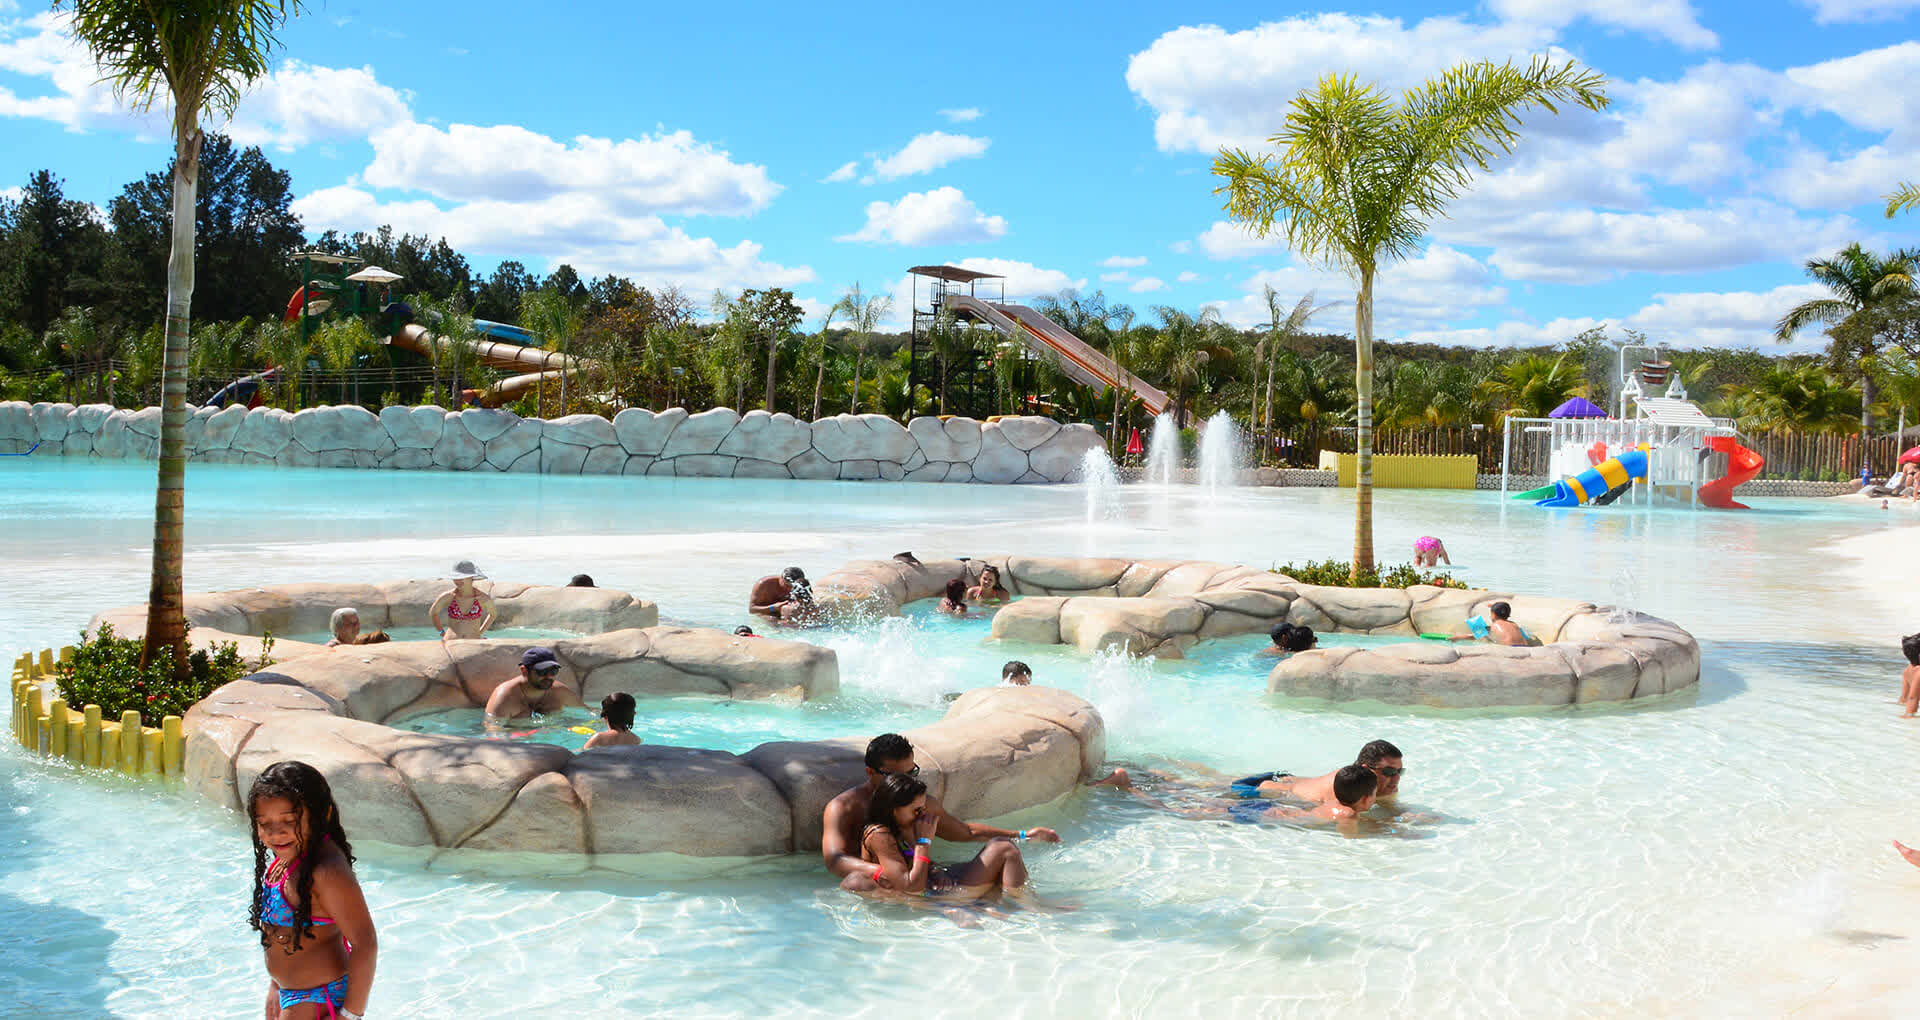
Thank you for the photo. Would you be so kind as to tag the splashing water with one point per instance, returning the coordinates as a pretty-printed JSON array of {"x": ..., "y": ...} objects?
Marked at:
[
  {"x": 1101, "y": 484},
  {"x": 1220, "y": 453},
  {"x": 1163, "y": 451},
  {"x": 1121, "y": 687},
  {"x": 1626, "y": 595}
]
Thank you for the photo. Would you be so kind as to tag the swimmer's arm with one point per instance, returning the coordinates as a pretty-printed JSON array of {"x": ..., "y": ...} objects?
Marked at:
[
  {"x": 953, "y": 830},
  {"x": 898, "y": 874},
  {"x": 273, "y": 999},
  {"x": 487, "y": 621},
  {"x": 439, "y": 606},
  {"x": 335, "y": 888},
  {"x": 834, "y": 851},
  {"x": 497, "y": 704}
]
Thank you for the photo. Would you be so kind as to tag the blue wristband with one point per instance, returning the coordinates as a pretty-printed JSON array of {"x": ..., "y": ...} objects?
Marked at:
[
  {"x": 1023, "y": 834},
  {"x": 924, "y": 841}
]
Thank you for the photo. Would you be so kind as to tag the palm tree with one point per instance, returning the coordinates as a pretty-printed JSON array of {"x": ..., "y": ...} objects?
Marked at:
[
  {"x": 1186, "y": 344},
  {"x": 1533, "y": 385},
  {"x": 818, "y": 349},
  {"x": 555, "y": 317},
  {"x": 1802, "y": 398},
  {"x": 1280, "y": 329},
  {"x": 340, "y": 345},
  {"x": 1861, "y": 282},
  {"x": 1357, "y": 179},
  {"x": 863, "y": 313},
  {"x": 1905, "y": 198},
  {"x": 197, "y": 55},
  {"x": 283, "y": 347}
]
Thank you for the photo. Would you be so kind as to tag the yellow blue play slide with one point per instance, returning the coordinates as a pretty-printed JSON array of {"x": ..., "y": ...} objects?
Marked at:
[{"x": 1597, "y": 480}]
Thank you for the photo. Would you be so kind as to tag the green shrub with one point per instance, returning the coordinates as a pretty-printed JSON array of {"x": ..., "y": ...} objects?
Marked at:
[
  {"x": 1339, "y": 574},
  {"x": 106, "y": 671}
]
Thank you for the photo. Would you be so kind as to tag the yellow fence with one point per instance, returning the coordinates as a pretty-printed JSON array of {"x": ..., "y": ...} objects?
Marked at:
[
  {"x": 1395, "y": 471},
  {"x": 45, "y": 724}
]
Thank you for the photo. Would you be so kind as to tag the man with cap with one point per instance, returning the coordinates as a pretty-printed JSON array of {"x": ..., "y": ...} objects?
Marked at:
[{"x": 536, "y": 689}]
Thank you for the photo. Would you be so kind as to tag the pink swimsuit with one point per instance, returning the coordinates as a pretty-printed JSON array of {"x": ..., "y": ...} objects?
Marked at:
[{"x": 454, "y": 613}]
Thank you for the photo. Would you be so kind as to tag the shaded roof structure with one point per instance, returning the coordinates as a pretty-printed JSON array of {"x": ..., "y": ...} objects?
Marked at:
[
  {"x": 1578, "y": 407},
  {"x": 954, "y": 274}
]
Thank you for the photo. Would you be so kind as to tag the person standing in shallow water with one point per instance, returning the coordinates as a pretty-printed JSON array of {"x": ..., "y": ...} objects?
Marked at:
[
  {"x": 319, "y": 938},
  {"x": 464, "y": 611},
  {"x": 1910, "y": 677}
]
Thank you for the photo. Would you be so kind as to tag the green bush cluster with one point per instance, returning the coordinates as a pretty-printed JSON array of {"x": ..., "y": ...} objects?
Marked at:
[
  {"x": 1339, "y": 574},
  {"x": 106, "y": 671}
]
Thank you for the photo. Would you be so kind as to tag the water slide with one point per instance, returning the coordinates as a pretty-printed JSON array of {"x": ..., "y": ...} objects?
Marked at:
[
  {"x": 1604, "y": 477},
  {"x": 1080, "y": 362},
  {"x": 1742, "y": 465},
  {"x": 503, "y": 347}
]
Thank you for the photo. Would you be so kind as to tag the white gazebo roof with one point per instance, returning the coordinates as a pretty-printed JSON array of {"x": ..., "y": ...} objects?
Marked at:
[
  {"x": 1675, "y": 412},
  {"x": 375, "y": 274}
]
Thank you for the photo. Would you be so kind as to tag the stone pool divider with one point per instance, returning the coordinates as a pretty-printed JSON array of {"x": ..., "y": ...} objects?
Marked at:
[
  {"x": 46, "y": 725},
  {"x": 1586, "y": 653},
  {"x": 715, "y": 443},
  {"x": 995, "y": 752}
]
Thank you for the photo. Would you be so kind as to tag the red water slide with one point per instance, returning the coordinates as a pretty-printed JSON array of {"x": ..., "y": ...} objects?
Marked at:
[{"x": 1742, "y": 465}]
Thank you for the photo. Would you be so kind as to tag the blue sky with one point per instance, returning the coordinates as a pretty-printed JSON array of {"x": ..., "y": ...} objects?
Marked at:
[{"x": 745, "y": 145}]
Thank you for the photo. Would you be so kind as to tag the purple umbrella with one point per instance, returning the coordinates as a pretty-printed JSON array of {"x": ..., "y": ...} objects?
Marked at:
[{"x": 1578, "y": 407}]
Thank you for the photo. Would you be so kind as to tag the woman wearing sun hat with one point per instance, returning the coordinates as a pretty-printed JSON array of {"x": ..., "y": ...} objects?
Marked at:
[{"x": 463, "y": 611}]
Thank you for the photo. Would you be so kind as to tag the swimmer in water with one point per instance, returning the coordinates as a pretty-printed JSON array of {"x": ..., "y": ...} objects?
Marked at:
[
  {"x": 1289, "y": 638},
  {"x": 1496, "y": 627},
  {"x": 1910, "y": 677},
  {"x": 537, "y": 689},
  {"x": 1354, "y": 790},
  {"x": 989, "y": 590},
  {"x": 617, "y": 709},
  {"x": 954, "y": 602},
  {"x": 1429, "y": 551}
]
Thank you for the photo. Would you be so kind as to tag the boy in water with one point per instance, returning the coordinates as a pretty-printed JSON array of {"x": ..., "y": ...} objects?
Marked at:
[{"x": 617, "y": 710}]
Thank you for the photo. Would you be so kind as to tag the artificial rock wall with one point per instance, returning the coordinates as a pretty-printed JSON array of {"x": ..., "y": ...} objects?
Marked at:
[{"x": 719, "y": 443}]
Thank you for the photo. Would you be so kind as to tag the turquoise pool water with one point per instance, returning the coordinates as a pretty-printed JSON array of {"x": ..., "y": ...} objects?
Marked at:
[
  {"x": 1718, "y": 851},
  {"x": 429, "y": 634}
]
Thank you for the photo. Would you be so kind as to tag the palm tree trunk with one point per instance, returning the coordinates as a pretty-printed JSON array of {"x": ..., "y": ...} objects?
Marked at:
[
  {"x": 1363, "y": 417},
  {"x": 853, "y": 402},
  {"x": 819, "y": 380},
  {"x": 1273, "y": 358},
  {"x": 166, "y": 608},
  {"x": 563, "y": 379},
  {"x": 773, "y": 350}
]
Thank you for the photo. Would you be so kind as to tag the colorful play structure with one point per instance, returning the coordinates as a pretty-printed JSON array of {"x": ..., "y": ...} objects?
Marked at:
[
  {"x": 337, "y": 285},
  {"x": 1663, "y": 451}
]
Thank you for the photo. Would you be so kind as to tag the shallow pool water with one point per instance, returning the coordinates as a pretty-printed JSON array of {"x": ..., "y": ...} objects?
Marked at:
[
  {"x": 1679, "y": 856},
  {"x": 429, "y": 634}
]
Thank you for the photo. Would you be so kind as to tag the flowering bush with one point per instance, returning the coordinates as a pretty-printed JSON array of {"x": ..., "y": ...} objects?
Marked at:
[
  {"x": 1339, "y": 574},
  {"x": 106, "y": 671}
]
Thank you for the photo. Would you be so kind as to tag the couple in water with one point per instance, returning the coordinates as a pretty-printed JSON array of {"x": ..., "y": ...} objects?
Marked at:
[
  {"x": 1338, "y": 797},
  {"x": 878, "y": 836},
  {"x": 786, "y": 599}
]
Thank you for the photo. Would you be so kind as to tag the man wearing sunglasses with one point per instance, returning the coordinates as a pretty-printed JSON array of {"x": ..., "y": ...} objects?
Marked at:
[
  {"x": 538, "y": 688},
  {"x": 1377, "y": 756},
  {"x": 846, "y": 815}
]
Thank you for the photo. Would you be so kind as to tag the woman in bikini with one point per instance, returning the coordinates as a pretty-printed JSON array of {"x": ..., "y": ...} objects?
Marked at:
[
  {"x": 307, "y": 906},
  {"x": 898, "y": 842},
  {"x": 464, "y": 611},
  {"x": 954, "y": 602},
  {"x": 989, "y": 590}
]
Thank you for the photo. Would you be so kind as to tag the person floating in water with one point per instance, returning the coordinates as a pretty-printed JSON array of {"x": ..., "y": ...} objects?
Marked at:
[
  {"x": 1289, "y": 638},
  {"x": 464, "y": 611},
  {"x": 954, "y": 602},
  {"x": 1376, "y": 756},
  {"x": 773, "y": 591},
  {"x": 744, "y": 631},
  {"x": 1429, "y": 551},
  {"x": 581, "y": 581},
  {"x": 617, "y": 709},
  {"x": 844, "y": 822},
  {"x": 1353, "y": 791},
  {"x": 989, "y": 590},
  {"x": 1910, "y": 677},
  {"x": 1497, "y": 626},
  {"x": 321, "y": 946},
  {"x": 537, "y": 689}
]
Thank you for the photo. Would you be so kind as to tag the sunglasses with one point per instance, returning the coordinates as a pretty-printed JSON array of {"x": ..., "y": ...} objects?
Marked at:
[
  {"x": 914, "y": 771},
  {"x": 547, "y": 674},
  {"x": 1388, "y": 773}
]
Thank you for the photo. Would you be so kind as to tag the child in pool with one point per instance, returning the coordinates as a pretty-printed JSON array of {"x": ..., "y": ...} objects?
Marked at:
[
  {"x": 1429, "y": 551},
  {"x": 1353, "y": 793},
  {"x": 1288, "y": 639},
  {"x": 307, "y": 906},
  {"x": 954, "y": 602},
  {"x": 617, "y": 710}
]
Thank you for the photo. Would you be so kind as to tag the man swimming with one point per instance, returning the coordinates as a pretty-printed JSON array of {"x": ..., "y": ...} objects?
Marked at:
[
  {"x": 1376, "y": 756},
  {"x": 773, "y": 591}
]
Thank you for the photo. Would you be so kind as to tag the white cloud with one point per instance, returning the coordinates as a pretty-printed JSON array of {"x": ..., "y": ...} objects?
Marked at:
[
  {"x": 1575, "y": 245},
  {"x": 941, "y": 216},
  {"x": 1147, "y": 285},
  {"x": 297, "y": 104},
  {"x": 1735, "y": 319},
  {"x": 1673, "y": 20},
  {"x": 1118, "y": 276},
  {"x": 844, "y": 173},
  {"x": 928, "y": 152},
  {"x": 665, "y": 173},
  {"x": 1210, "y": 87},
  {"x": 1024, "y": 279},
  {"x": 585, "y": 229},
  {"x": 1228, "y": 240},
  {"x": 1828, "y": 12},
  {"x": 1189, "y": 276},
  {"x": 1432, "y": 291},
  {"x": 963, "y": 115},
  {"x": 1124, "y": 261},
  {"x": 1180, "y": 247}
]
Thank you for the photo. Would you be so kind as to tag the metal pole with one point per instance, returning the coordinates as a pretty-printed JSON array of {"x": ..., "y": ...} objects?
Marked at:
[{"x": 1506, "y": 451}]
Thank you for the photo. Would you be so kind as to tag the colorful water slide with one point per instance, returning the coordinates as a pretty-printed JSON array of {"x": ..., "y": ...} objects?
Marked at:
[
  {"x": 1600, "y": 479},
  {"x": 1080, "y": 362},
  {"x": 1742, "y": 465},
  {"x": 513, "y": 352}
]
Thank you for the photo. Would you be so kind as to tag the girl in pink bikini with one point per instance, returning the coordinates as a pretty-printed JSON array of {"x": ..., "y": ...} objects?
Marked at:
[
  {"x": 465, "y": 611},
  {"x": 1429, "y": 551},
  {"x": 307, "y": 905}
]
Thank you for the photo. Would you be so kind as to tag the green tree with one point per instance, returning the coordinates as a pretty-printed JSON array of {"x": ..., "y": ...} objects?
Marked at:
[
  {"x": 340, "y": 344},
  {"x": 770, "y": 315},
  {"x": 1532, "y": 385},
  {"x": 1184, "y": 347},
  {"x": 53, "y": 254},
  {"x": 1282, "y": 328},
  {"x": 1861, "y": 282},
  {"x": 197, "y": 56},
  {"x": 1358, "y": 178},
  {"x": 818, "y": 349},
  {"x": 1799, "y": 398},
  {"x": 281, "y": 345},
  {"x": 1905, "y": 198},
  {"x": 556, "y": 315},
  {"x": 863, "y": 313}
]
